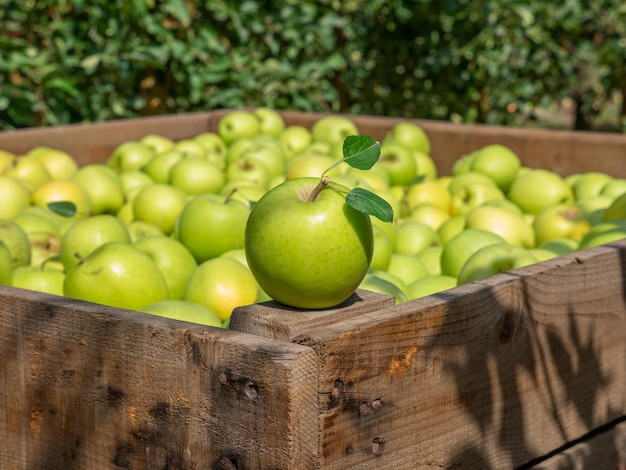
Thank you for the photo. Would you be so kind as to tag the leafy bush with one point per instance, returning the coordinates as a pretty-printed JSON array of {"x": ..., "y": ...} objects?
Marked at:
[{"x": 475, "y": 61}]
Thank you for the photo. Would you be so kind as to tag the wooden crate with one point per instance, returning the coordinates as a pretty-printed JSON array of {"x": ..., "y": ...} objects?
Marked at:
[{"x": 526, "y": 369}]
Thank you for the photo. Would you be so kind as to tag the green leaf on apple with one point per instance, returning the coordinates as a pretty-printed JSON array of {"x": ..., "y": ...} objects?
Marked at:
[
  {"x": 63, "y": 208},
  {"x": 369, "y": 203},
  {"x": 361, "y": 151}
]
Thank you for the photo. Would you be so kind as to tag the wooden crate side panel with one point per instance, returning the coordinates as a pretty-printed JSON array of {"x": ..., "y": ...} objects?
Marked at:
[
  {"x": 488, "y": 375},
  {"x": 604, "y": 450},
  {"x": 89, "y": 387}
]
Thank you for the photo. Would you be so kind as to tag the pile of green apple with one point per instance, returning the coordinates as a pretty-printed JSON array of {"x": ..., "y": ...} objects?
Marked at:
[{"x": 163, "y": 226}]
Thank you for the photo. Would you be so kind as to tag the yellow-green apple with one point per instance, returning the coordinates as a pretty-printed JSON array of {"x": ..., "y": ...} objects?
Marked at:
[
  {"x": 542, "y": 254},
  {"x": 39, "y": 278},
  {"x": 28, "y": 170},
  {"x": 594, "y": 207},
  {"x": 86, "y": 235},
  {"x": 190, "y": 148},
  {"x": 44, "y": 247},
  {"x": 60, "y": 165},
  {"x": 270, "y": 121},
  {"x": 214, "y": 147},
  {"x": 395, "y": 280},
  {"x": 221, "y": 284},
  {"x": 35, "y": 219},
  {"x": 130, "y": 155},
  {"x": 273, "y": 159},
  {"x": 6, "y": 160},
  {"x": 183, "y": 310},
  {"x": 506, "y": 204},
  {"x": 173, "y": 259},
  {"x": 239, "y": 254},
  {"x": 63, "y": 191},
  {"x": 398, "y": 162},
  {"x": 372, "y": 179},
  {"x": 310, "y": 165},
  {"x": 17, "y": 241},
  {"x": 560, "y": 221},
  {"x": 509, "y": 225},
  {"x": 6, "y": 265},
  {"x": 374, "y": 282},
  {"x": 244, "y": 191},
  {"x": 451, "y": 227},
  {"x": 308, "y": 250},
  {"x": 158, "y": 143},
  {"x": 535, "y": 189},
  {"x": 604, "y": 232},
  {"x": 333, "y": 128},
  {"x": 412, "y": 237},
  {"x": 473, "y": 195},
  {"x": 248, "y": 169},
  {"x": 116, "y": 274},
  {"x": 237, "y": 148},
  {"x": 459, "y": 181},
  {"x": 389, "y": 229},
  {"x": 160, "y": 205},
  {"x": 617, "y": 209},
  {"x": 408, "y": 268},
  {"x": 590, "y": 184},
  {"x": 496, "y": 161},
  {"x": 431, "y": 258},
  {"x": 463, "y": 245},
  {"x": 425, "y": 165},
  {"x": 222, "y": 227},
  {"x": 295, "y": 139},
  {"x": 160, "y": 165},
  {"x": 238, "y": 124},
  {"x": 411, "y": 135},
  {"x": 138, "y": 229},
  {"x": 614, "y": 188},
  {"x": 429, "y": 214},
  {"x": 197, "y": 175},
  {"x": 132, "y": 181},
  {"x": 492, "y": 259},
  {"x": 560, "y": 246},
  {"x": 103, "y": 185},
  {"x": 125, "y": 214},
  {"x": 14, "y": 196},
  {"x": 426, "y": 192},
  {"x": 430, "y": 285}
]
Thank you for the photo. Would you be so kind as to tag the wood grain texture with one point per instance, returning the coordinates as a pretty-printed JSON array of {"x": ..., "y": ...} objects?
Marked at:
[
  {"x": 488, "y": 375},
  {"x": 90, "y": 387}
]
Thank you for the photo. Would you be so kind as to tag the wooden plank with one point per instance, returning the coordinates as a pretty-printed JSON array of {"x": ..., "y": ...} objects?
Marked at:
[
  {"x": 491, "y": 374},
  {"x": 603, "y": 450},
  {"x": 91, "y": 387}
]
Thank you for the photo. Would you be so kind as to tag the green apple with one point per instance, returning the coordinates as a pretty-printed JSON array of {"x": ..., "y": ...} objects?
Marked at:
[
  {"x": 270, "y": 121},
  {"x": 132, "y": 181},
  {"x": 617, "y": 209},
  {"x": 333, "y": 128},
  {"x": 6, "y": 265},
  {"x": 173, "y": 259},
  {"x": 17, "y": 242},
  {"x": 431, "y": 259},
  {"x": 239, "y": 254},
  {"x": 410, "y": 135},
  {"x": 104, "y": 187},
  {"x": 238, "y": 124},
  {"x": 272, "y": 158},
  {"x": 451, "y": 227},
  {"x": 383, "y": 248},
  {"x": 185, "y": 311},
  {"x": 509, "y": 225},
  {"x": 431, "y": 285},
  {"x": 116, "y": 274},
  {"x": 614, "y": 188},
  {"x": 44, "y": 247},
  {"x": 560, "y": 221},
  {"x": 248, "y": 169},
  {"x": 542, "y": 254},
  {"x": 160, "y": 165},
  {"x": 28, "y": 170},
  {"x": 398, "y": 162},
  {"x": 594, "y": 207},
  {"x": 6, "y": 160},
  {"x": 190, "y": 148},
  {"x": 61, "y": 191},
  {"x": 408, "y": 268},
  {"x": 295, "y": 139},
  {"x": 535, "y": 189},
  {"x": 160, "y": 205},
  {"x": 196, "y": 176},
  {"x": 427, "y": 192},
  {"x": 35, "y": 219},
  {"x": 604, "y": 232},
  {"x": 60, "y": 165},
  {"x": 221, "y": 284},
  {"x": 214, "y": 147},
  {"x": 39, "y": 278},
  {"x": 372, "y": 179},
  {"x": 158, "y": 143},
  {"x": 473, "y": 195},
  {"x": 463, "y": 245},
  {"x": 492, "y": 259},
  {"x": 310, "y": 165},
  {"x": 244, "y": 191},
  {"x": 375, "y": 283},
  {"x": 429, "y": 214},
  {"x": 413, "y": 237},
  {"x": 498, "y": 162},
  {"x": 138, "y": 229},
  {"x": 309, "y": 254},
  {"x": 459, "y": 181},
  {"x": 425, "y": 165},
  {"x": 222, "y": 228},
  {"x": 130, "y": 155},
  {"x": 590, "y": 184},
  {"x": 560, "y": 246},
  {"x": 86, "y": 235},
  {"x": 14, "y": 196}
]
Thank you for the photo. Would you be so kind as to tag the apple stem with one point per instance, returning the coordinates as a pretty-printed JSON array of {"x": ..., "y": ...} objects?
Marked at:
[
  {"x": 81, "y": 259},
  {"x": 324, "y": 181},
  {"x": 230, "y": 195}
]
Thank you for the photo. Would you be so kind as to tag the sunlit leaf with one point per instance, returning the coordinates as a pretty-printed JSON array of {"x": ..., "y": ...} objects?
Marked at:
[
  {"x": 369, "y": 203},
  {"x": 361, "y": 151}
]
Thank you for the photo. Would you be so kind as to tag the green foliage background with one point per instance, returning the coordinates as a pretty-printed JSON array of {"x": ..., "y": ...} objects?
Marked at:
[{"x": 490, "y": 61}]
